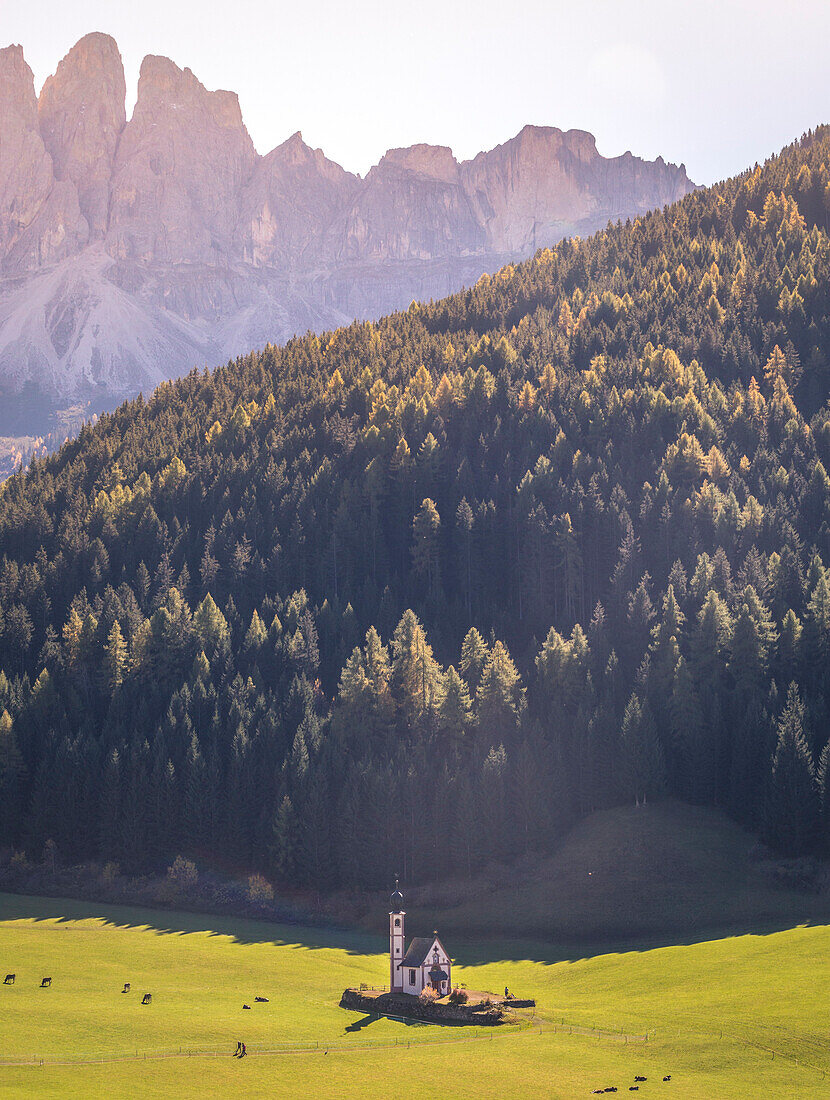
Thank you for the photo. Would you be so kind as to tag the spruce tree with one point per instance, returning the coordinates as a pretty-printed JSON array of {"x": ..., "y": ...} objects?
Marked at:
[
  {"x": 792, "y": 824},
  {"x": 643, "y": 766}
]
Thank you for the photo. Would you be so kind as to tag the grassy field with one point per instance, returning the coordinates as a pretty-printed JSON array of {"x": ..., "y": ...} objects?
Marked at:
[{"x": 714, "y": 1011}]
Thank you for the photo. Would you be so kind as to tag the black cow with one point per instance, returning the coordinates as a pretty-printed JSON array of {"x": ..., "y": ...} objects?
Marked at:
[
  {"x": 246, "y": 1006},
  {"x": 262, "y": 1000},
  {"x": 9, "y": 979},
  {"x": 667, "y": 1078},
  {"x": 641, "y": 1078},
  {"x": 147, "y": 998},
  {"x": 44, "y": 982},
  {"x": 126, "y": 988}
]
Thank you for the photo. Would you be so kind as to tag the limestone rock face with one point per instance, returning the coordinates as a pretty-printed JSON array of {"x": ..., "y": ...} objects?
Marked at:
[
  {"x": 291, "y": 200},
  {"x": 182, "y": 161},
  {"x": 39, "y": 222},
  {"x": 81, "y": 115},
  {"x": 545, "y": 184},
  {"x": 132, "y": 250},
  {"x": 412, "y": 206}
]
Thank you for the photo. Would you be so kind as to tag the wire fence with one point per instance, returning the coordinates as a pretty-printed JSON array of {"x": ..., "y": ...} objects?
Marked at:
[
  {"x": 442, "y": 1034},
  {"x": 806, "y": 1052},
  {"x": 307, "y": 1047}
]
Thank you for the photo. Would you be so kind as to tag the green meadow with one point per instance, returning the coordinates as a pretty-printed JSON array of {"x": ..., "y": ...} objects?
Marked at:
[{"x": 730, "y": 1017}]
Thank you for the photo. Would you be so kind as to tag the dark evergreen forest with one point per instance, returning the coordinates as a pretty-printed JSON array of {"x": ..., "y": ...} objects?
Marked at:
[{"x": 417, "y": 594}]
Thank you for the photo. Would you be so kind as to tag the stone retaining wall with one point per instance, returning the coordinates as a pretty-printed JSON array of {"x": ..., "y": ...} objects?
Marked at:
[{"x": 401, "y": 1004}]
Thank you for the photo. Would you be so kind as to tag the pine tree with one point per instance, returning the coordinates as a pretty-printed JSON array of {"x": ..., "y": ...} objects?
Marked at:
[
  {"x": 474, "y": 654},
  {"x": 365, "y": 706},
  {"x": 643, "y": 766},
  {"x": 257, "y": 634},
  {"x": 793, "y": 810},
  {"x": 211, "y": 626},
  {"x": 109, "y": 811},
  {"x": 416, "y": 675},
  {"x": 425, "y": 527},
  {"x": 823, "y": 781},
  {"x": 464, "y": 520},
  {"x": 12, "y": 781},
  {"x": 115, "y": 658},
  {"x": 500, "y": 699},
  {"x": 454, "y": 712}
]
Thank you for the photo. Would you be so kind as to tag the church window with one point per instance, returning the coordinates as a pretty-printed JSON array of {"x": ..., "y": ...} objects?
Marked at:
[{"x": 411, "y": 977}]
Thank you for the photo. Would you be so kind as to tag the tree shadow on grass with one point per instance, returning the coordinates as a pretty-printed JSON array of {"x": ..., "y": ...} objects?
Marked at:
[
  {"x": 241, "y": 930},
  {"x": 467, "y": 950}
]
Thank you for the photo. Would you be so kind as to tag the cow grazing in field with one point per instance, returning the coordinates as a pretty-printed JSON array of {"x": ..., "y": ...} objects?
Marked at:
[
  {"x": 246, "y": 1006},
  {"x": 9, "y": 979},
  {"x": 262, "y": 1000},
  {"x": 44, "y": 982},
  {"x": 147, "y": 998},
  {"x": 613, "y": 1088},
  {"x": 126, "y": 988},
  {"x": 667, "y": 1078},
  {"x": 641, "y": 1078}
]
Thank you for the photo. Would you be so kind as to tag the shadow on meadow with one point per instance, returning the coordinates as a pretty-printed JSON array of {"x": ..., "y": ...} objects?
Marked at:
[
  {"x": 467, "y": 951},
  {"x": 179, "y": 922},
  {"x": 624, "y": 879}
]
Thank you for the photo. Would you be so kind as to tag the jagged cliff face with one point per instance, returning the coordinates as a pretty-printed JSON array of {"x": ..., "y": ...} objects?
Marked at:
[
  {"x": 132, "y": 250},
  {"x": 81, "y": 118}
]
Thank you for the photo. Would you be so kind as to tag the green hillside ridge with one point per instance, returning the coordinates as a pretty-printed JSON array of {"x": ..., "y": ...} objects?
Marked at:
[
  {"x": 715, "y": 1012},
  {"x": 419, "y": 595},
  {"x": 629, "y": 874}
]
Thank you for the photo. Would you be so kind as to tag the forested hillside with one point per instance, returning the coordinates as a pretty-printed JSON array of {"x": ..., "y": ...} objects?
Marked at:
[{"x": 419, "y": 593}]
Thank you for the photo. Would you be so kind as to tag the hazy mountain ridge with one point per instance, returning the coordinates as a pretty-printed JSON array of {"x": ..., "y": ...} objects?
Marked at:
[{"x": 134, "y": 249}]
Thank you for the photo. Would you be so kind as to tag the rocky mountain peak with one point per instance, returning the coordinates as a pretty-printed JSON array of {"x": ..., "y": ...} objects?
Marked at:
[
  {"x": 17, "y": 88},
  {"x": 162, "y": 84},
  {"x": 435, "y": 161},
  {"x": 182, "y": 160},
  {"x": 81, "y": 113},
  {"x": 39, "y": 221}
]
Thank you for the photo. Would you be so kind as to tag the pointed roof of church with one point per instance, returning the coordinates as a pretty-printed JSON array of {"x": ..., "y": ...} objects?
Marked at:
[{"x": 418, "y": 950}]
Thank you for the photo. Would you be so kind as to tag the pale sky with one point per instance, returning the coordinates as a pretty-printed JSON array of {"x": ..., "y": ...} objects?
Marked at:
[{"x": 717, "y": 84}]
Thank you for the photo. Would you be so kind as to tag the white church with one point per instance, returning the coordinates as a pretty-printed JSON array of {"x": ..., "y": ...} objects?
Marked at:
[{"x": 425, "y": 963}]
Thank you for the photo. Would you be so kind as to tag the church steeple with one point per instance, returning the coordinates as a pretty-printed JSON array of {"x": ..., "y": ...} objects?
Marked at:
[
  {"x": 396, "y": 939},
  {"x": 396, "y": 898}
]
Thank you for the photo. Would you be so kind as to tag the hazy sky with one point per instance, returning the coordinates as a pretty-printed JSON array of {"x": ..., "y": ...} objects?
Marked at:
[{"x": 717, "y": 84}]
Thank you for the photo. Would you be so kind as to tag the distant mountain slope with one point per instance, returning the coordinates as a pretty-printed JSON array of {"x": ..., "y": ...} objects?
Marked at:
[{"x": 133, "y": 250}]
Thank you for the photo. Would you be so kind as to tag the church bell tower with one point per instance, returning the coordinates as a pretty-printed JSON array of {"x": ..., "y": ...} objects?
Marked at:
[{"x": 396, "y": 939}]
